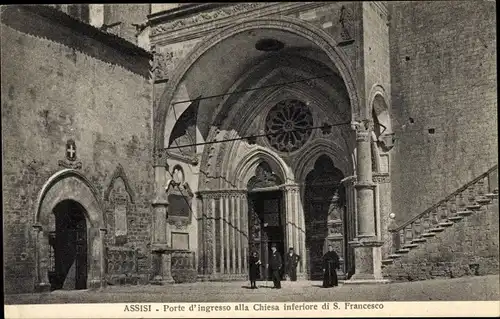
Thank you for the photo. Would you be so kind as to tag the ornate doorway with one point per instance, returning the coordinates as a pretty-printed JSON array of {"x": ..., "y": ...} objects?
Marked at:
[
  {"x": 324, "y": 216},
  {"x": 265, "y": 215},
  {"x": 68, "y": 247}
]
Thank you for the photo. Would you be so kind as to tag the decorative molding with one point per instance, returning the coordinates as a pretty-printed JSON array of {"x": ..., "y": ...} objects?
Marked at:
[
  {"x": 202, "y": 15},
  {"x": 216, "y": 193},
  {"x": 119, "y": 172},
  {"x": 70, "y": 165},
  {"x": 381, "y": 178},
  {"x": 180, "y": 157},
  {"x": 180, "y": 12},
  {"x": 207, "y": 22}
]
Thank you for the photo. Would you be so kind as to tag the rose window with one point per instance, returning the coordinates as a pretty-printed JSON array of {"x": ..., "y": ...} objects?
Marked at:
[{"x": 288, "y": 125}]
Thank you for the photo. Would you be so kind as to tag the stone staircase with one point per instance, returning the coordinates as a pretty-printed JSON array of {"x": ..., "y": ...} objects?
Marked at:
[{"x": 414, "y": 241}]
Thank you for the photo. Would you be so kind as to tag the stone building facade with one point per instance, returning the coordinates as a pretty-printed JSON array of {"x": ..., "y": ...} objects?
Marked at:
[{"x": 209, "y": 131}]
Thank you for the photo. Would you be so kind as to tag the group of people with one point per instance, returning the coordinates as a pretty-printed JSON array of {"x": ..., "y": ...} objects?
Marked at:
[{"x": 330, "y": 265}]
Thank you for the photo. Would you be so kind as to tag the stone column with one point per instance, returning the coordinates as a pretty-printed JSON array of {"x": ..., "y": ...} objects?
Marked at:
[
  {"x": 102, "y": 264},
  {"x": 211, "y": 222},
  {"x": 234, "y": 228},
  {"x": 160, "y": 246},
  {"x": 42, "y": 283},
  {"x": 366, "y": 244},
  {"x": 302, "y": 272},
  {"x": 244, "y": 230},
  {"x": 289, "y": 223},
  {"x": 295, "y": 226},
  {"x": 221, "y": 235},
  {"x": 238, "y": 224},
  {"x": 226, "y": 233},
  {"x": 206, "y": 247}
]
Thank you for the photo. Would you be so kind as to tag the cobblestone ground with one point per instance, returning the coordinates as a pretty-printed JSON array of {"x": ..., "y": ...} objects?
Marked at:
[{"x": 459, "y": 289}]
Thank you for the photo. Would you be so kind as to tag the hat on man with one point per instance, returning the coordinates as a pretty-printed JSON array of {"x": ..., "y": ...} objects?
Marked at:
[
  {"x": 291, "y": 248},
  {"x": 273, "y": 245}
]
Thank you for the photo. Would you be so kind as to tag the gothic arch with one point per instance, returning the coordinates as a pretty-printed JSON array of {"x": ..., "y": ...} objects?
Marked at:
[
  {"x": 250, "y": 104},
  {"x": 119, "y": 173},
  {"x": 246, "y": 167},
  {"x": 68, "y": 184},
  {"x": 65, "y": 185},
  {"x": 378, "y": 107},
  {"x": 296, "y": 26},
  {"x": 315, "y": 150}
]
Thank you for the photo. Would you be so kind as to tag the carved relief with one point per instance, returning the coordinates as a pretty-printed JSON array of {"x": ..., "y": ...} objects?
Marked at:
[
  {"x": 335, "y": 210},
  {"x": 205, "y": 17},
  {"x": 346, "y": 21},
  {"x": 162, "y": 65},
  {"x": 264, "y": 177}
]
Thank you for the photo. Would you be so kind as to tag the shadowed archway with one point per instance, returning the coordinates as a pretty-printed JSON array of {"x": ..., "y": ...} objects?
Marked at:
[{"x": 324, "y": 211}]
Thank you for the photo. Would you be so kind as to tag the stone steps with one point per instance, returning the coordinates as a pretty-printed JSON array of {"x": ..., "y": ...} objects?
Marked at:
[
  {"x": 477, "y": 205},
  {"x": 430, "y": 233}
]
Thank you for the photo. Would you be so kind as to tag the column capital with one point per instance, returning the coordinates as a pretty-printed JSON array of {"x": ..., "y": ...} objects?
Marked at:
[
  {"x": 362, "y": 125},
  {"x": 290, "y": 187},
  {"x": 160, "y": 158},
  {"x": 363, "y": 136}
]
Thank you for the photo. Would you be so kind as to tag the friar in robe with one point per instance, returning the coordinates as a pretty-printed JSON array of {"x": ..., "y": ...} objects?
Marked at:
[
  {"x": 275, "y": 264},
  {"x": 254, "y": 272},
  {"x": 291, "y": 262},
  {"x": 330, "y": 265}
]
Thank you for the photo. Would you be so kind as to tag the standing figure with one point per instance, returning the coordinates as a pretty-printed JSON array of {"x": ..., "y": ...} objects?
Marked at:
[
  {"x": 254, "y": 263},
  {"x": 275, "y": 264},
  {"x": 291, "y": 262},
  {"x": 330, "y": 265}
]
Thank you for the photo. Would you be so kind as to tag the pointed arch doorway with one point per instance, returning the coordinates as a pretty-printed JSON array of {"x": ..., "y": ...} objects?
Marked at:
[
  {"x": 68, "y": 247},
  {"x": 325, "y": 217},
  {"x": 266, "y": 215}
]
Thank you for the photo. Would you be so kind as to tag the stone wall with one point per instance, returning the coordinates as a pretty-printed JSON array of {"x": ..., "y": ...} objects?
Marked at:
[
  {"x": 53, "y": 92},
  {"x": 468, "y": 248},
  {"x": 444, "y": 101}
]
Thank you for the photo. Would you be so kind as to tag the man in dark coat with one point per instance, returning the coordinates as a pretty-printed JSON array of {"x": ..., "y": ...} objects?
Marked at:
[
  {"x": 275, "y": 264},
  {"x": 291, "y": 262},
  {"x": 254, "y": 264},
  {"x": 330, "y": 264}
]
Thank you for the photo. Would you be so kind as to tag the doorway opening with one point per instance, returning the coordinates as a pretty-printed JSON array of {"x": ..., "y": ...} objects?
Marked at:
[
  {"x": 325, "y": 211},
  {"x": 68, "y": 247},
  {"x": 266, "y": 226}
]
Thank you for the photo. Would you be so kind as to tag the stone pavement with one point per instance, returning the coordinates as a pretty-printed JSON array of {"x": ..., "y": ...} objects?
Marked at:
[{"x": 459, "y": 289}]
